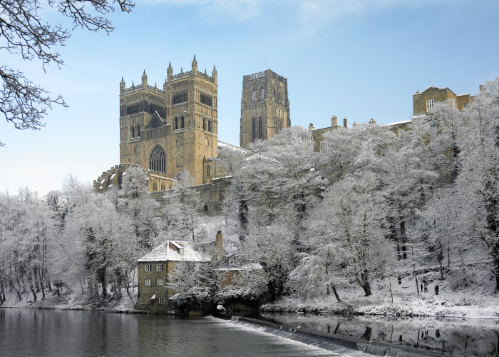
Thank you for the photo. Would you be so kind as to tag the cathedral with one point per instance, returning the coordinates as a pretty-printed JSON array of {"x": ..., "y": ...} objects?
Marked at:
[{"x": 165, "y": 131}]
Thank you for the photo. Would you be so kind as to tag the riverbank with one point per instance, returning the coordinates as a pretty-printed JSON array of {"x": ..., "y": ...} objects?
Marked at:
[
  {"x": 470, "y": 303},
  {"x": 73, "y": 301}
]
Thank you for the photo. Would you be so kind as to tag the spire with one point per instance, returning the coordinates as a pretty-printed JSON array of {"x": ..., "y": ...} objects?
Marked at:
[
  {"x": 144, "y": 79},
  {"x": 214, "y": 74},
  {"x": 169, "y": 72},
  {"x": 194, "y": 65},
  {"x": 122, "y": 85}
]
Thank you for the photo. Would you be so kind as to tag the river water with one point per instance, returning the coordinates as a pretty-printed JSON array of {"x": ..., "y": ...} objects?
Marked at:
[
  {"x": 446, "y": 336},
  {"x": 33, "y": 332}
]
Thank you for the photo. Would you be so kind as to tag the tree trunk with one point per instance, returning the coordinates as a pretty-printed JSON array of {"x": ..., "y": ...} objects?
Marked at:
[
  {"x": 103, "y": 282},
  {"x": 415, "y": 277},
  {"x": 31, "y": 286},
  {"x": 364, "y": 282},
  {"x": 40, "y": 279},
  {"x": 391, "y": 293},
  {"x": 335, "y": 292}
]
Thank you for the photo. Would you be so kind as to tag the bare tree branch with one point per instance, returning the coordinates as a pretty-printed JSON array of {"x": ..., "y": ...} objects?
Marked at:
[{"x": 23, "y": 32}]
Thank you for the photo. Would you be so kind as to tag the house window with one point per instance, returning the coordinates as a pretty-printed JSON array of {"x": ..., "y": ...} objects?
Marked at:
[
  {"x": 161, "y": 282},
  {"x": 430, "y": 103},
  {"x": 147, "y": 282},
  {"x": 160, "y": 300},
  {"x": 148, "y": 267},
  {"x": 159, "y": 267}
]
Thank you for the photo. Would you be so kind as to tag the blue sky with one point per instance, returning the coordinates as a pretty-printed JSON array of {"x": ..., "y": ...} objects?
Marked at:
[{"x": 358, "y": 58}]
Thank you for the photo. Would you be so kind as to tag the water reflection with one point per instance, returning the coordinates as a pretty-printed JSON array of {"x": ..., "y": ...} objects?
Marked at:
[
  {"x": 454, "y": 337},
  {"x": 32, "y": 332}
]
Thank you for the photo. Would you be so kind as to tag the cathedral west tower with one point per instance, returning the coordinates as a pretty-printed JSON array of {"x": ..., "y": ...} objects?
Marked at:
[
  {"x": 169, "y": 129},
  {"x": 264, "y": 107}
]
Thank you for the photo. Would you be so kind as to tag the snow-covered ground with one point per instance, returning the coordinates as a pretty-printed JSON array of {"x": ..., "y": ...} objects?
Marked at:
[
  {"x": 76, "y": 301},
  {"x": 474, "y": 301}
]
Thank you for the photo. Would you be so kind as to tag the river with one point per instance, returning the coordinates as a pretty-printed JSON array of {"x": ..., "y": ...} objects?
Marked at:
[{"x": 33, "y": 332}]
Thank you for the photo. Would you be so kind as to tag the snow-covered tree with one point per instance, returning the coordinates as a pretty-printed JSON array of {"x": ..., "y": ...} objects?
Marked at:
[
  {"x": 180, "y": 211},
  {"x": 478, "y": 180},
  {"x": 350, "y": 220}
]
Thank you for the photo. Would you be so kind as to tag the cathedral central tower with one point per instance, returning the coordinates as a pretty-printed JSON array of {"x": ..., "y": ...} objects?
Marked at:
[{"x": 264, "y": 107}]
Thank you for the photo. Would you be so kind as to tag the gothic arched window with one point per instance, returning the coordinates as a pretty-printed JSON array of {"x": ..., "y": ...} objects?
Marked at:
[
  {"x": 262, "y": 93},
  {"x": 204, "y": 123},
  {"x": 208, "y": 170},
  {"x": 176, "y": 123},
  {"x": 182, "y": 122},
  {"x": 133, "y": 133},
  {"x": 253, "y": 131},
  {"x": 138, "y": 131},
  {"x": 253, "y": 95},
  {"x": 209, "y": 126},
  {"x": 157, "y": 160},
  {"x": 260, "y": 128}
]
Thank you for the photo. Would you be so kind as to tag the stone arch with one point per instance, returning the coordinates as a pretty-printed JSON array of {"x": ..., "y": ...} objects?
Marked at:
[{"x": 157, "y": 159}]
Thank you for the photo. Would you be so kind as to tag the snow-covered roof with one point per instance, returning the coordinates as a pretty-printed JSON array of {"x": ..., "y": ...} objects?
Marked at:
[
  {"x": 399, "y": 122},
  {"x": 236, "y": 262},
  {"x": 176, "y": 251},
  {"x": 221, "y": 144}
]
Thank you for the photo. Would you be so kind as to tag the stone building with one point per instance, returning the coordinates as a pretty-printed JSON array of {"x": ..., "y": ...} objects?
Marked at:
[
  {"x": 424, "y": 101},
  {"x": 169, "y": 129},
  {"x": 156, "y": 267},
  {"x": 264, "y": 107}
]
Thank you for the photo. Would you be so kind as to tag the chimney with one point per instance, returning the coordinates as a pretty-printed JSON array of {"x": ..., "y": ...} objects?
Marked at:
[
  {"x": 311, "y": 127},
  {"x": 482, "y": 88},
  {"x": 334, "y": 120},
  {"x": 345, "y": 122},
  {"x": 220, "y": 245}
]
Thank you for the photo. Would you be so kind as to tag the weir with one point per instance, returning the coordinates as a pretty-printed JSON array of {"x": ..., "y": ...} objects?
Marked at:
[{"x": 344, "y": 345}]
